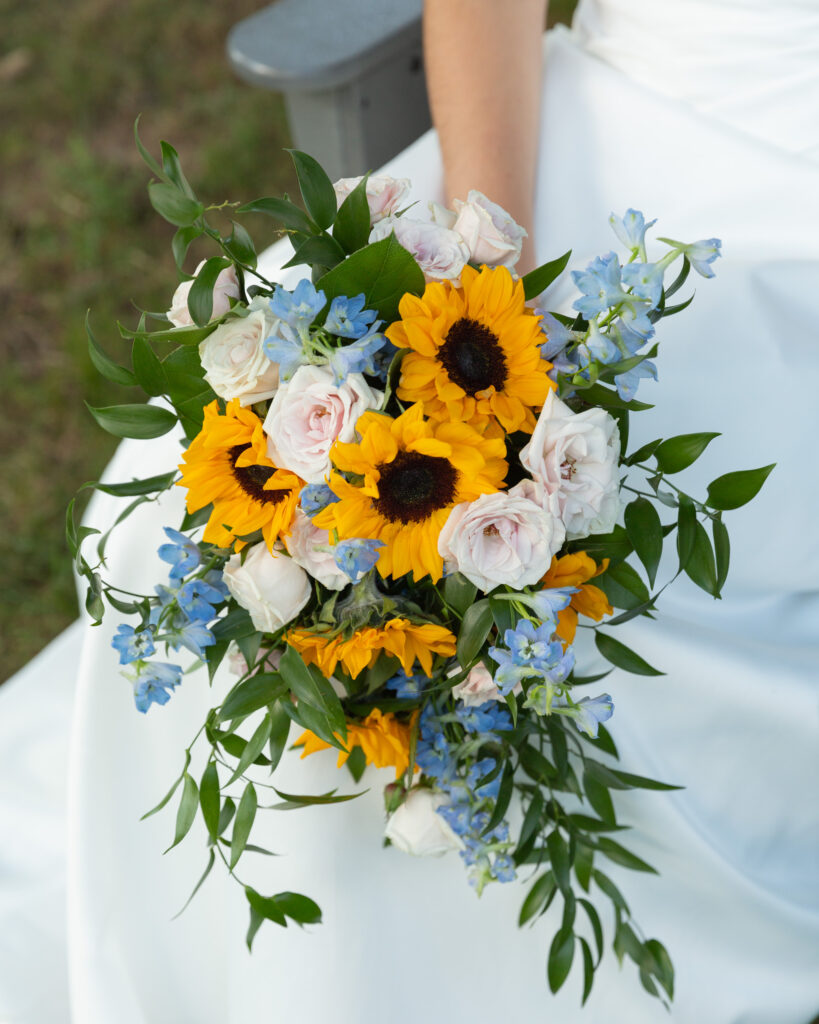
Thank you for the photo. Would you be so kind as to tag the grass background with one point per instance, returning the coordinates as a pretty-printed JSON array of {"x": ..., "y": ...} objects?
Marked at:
[{"x": 77, "y": 233}]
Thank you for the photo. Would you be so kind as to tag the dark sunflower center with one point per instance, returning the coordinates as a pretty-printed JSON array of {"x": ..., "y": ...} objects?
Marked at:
[
  {"x": 413, "y": 486},
  {"x": 473, "y": 357},
  {"x": 253, "y": 478}
]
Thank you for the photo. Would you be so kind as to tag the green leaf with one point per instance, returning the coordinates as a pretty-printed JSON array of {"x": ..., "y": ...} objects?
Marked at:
[
  {"x": 182, "y": 241},
  {"x": 251, "y": 694},
  {"x": 240, "y": 245},
  {"x": 173, "y": 169},
  {"x": 143, "y": 152},
  {"x": 279, "y": 731},
  {"x": 645, "y": 531},
  {"x": 150, "y": 485},
  {"x": 606, "y": 398},
  {"x": 313, "y": 690},
  {"x": 663, "y": 967},
  {"x": 623, "y": 585},
  {"x": 722, "y": 550},
  {"x": 187, "y": 810},
  {"x": 200, "y": 297},
  {"x": 541, "y": 277},
  {"x": 315, "y": 721},
  {"x": 505, "y": 791},
  {"x": 148, "y": 369},
  {"x": 243, "y": 823},
  {"x": 138, "y": 421},
  {"x": 316, "y": 189},
  {"x": 253, "y": 748},
  {"x": 611, "y": 890},
  {"x": 561, "y": 954},
  {"x": 620, "y": 855},
  {"x": 165, "y": 799},
  {"x": 459, "y": 593},
  {"x": 680, "y": 280},
  {"x": 677, "y": 453},
  {"x": 536, "y": 898},
  {"x": 623, "y": 657},
  {"x": 644, "y": 453},
  {"x": 209, "y": 799},
  {"x": 686, "y": 530},
  {"x": 183, "y": 335},
  {"x": 599, "y": 797},
  {"x": 384, "y": 271},
  {"x": 559, "y": 857},
  {"x": 352, "y": 226},
  {"x": 356, "y": 763},
  {"x": 536, "y": 765},
  {"x": 310, "y": 801},
  {"x": 700, "y": 567},
  {"x": 298, "y": 908},
  {"x": 736, "y": 489},
  {"x": 266, "y": 907},
  {"x": 474, "y": 631},
  {"x": 641, "y": 782},
  {"x": 173, "y": 205},
  {"x": 615, "y": 545},
  {"x": 504, "y": 615},
  {"x": 198, "y": 886},
  {"x": 237, "y": 623},
  {"x": 256, "y": 921},
  {"x": 531, "y": 821},
  {"x": 583, "y": 863},
  {"x": 597, "y": 927},
  {"x": 282, "y": 210},
  {"x": 588, "y": 970},
  {"x": 319, "y": 250},
  {"x": 103, "y": 364},
  {"x": 226, "y": 815}
]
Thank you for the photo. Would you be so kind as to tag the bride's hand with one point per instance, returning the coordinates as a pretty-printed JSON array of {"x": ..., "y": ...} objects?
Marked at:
[{"x": 483, "y": 65}]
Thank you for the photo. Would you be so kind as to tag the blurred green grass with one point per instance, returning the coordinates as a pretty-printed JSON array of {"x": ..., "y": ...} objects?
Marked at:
[{"x": 77, "y": 233}]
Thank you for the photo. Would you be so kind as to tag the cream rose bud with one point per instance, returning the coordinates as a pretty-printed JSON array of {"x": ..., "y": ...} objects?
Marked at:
[
  {"x": 575, "y": 456},
  {"x": 384, "y": 194},
  {"x": 233, "y": 356},
  {"x": 225, "y": 289},
  {"x": 305, "y": 543},
  {"x": 309, "y": 414},
  {"x": 491, "y": 234},
  {"x": 500, "y": 538},
  {"x": 417, "y": 828},
  {"x": 479, "y": 687},
  {"x": 440, "y": 253},
  {"x": 272, "y": 587}
]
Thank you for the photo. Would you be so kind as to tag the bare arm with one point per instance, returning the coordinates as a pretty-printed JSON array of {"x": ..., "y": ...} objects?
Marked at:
[{"x": 483, "y": 63}]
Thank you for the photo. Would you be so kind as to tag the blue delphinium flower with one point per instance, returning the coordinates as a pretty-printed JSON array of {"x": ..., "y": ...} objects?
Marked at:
[
  {"x": 315, "y": 497},
  {"x": 558, "y": 336},
  {"x": 153, "y": 683},
  {"x": 406, "y": 687},
  {"x": 600, "y": 285},
  {"x": 347, "y": 318},
  {"x": 359, "y": 357},
  {"x": 133, "y": 644},
  {"x": 627, "y": 340},
  {"x": 591, "y": 711},
  {"x": 357, "y": 556},
  {"x": 548, "y": 602},
  {"x": 487, "y": 717},
  {"x": 182, "y": 553},
  {"x": 645, "y": 281},
  {"x": 531, "y": 652},
  {"x": 631, "y": 228},
  {"x": 628, "y": 382},
  {"x": 598, "y": 347},
  {"x": 192, "y": 634},
  {"x": 197, "y": 599},
  {"x": 700, "y": 254},
  {"x": 287, "y": 353},
  {"x": 299, "y": 308}
]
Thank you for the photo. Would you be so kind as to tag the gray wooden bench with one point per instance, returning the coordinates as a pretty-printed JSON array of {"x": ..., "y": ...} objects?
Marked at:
[{"x": 351, "y": 71}]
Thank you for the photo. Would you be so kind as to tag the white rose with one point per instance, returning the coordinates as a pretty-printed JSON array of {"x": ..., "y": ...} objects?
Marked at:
[
  {"x": 440, "y": 253},
  {"x": 479, "y": 687},
  {"x": 500, "y": 538},
  {"x": 272, "y": 587},
  {"x": 225, "y": 289},
  {"x": 575, "y": 456},
  {"x": 309, "y": 414},
  {"x": 492, "y": 235},
  {"x": 417, "y": 828},
  {"x": 233, "y": 357},
  {"x": 303, "y": 542},
  {"x": 384, "y": 194}
]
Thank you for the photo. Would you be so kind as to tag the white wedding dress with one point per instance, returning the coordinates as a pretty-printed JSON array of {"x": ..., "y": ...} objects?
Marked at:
[{"x": 704, "y": 113}]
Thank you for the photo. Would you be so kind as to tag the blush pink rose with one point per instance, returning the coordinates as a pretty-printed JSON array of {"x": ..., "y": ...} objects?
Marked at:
[
  {"x": 492, "y": 236},
  {"x": 479, "y": 687},
  {"x": 440, "y": 253},
  {"x": 225, "y": 289},
  {"x": 500, "y": 539},
  {"x": 309, "y": 414},
  {"x": 384, "y": 194},
  {"x": 308, "y": 545}
]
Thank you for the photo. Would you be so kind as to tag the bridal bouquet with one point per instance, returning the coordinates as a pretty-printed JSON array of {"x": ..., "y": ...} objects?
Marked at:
[{"x": 408, "y": 489}]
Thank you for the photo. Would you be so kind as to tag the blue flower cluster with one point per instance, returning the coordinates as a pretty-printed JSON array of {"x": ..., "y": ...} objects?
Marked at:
[
  {"x": 531, "y": 651},
  {"x": 293, "y": 344},
  {"x": 179, "y": 618},
  {"x": 471, "y": 783}
]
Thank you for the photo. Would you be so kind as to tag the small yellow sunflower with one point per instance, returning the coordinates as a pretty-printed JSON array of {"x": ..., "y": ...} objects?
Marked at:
[
  {"x": 413, "y": 472},
  {"x": 475, "y": 351},
  {"x": 227, "y": 464},
  {"x": 405, "y": 640},
  {"x": 384, "y": 740},
  {"x": 575, "y": 571}
]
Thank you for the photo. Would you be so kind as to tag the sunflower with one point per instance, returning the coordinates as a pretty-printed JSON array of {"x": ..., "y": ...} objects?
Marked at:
[
  {"x": 475, "y": 351},
  {"x": 384, "y": 740},
  {"x": 405, "y": 640},
  {"x": 227, "y": 465},
  {"x": 413, "y": 472},
  {"x": 575, "y": 571}
]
